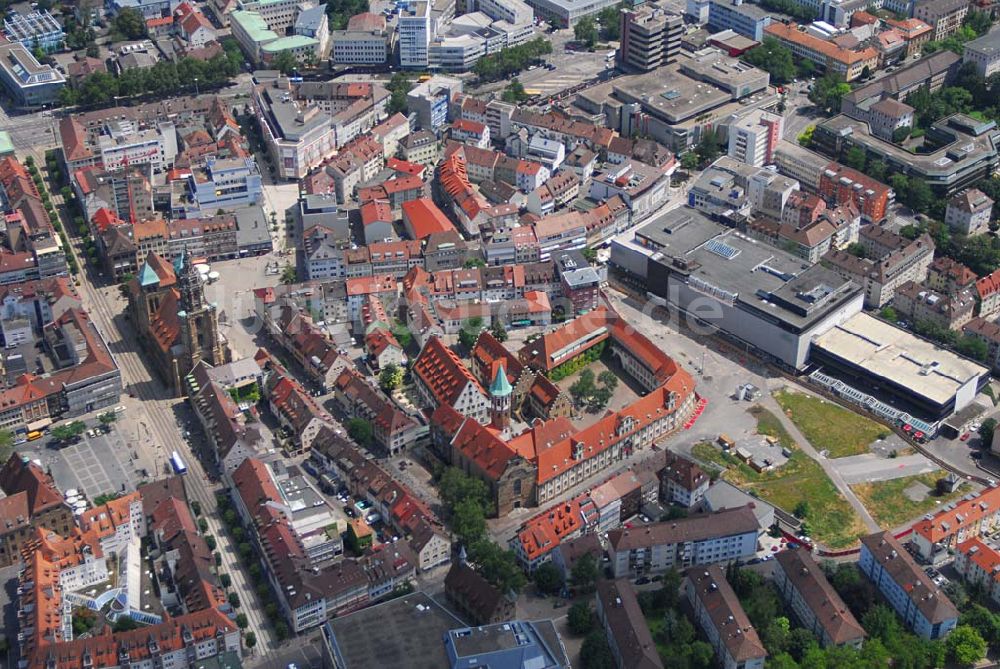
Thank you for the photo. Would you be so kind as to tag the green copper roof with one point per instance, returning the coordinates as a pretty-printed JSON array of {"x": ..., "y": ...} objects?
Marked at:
[
  {"x": 147, "y": 277},
  {"x": 500, "y": 386}
]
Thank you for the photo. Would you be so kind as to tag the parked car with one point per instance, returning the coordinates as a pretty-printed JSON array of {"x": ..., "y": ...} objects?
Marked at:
[
  {"x": 965, "y": 437},
  {"x": 350, "y": 512},
  {"x": 642, "y": 580}
]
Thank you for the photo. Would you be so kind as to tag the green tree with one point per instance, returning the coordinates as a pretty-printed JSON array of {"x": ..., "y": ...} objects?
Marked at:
[
  {"x": 855, "y": 158},
  {"x": 965, "y": 646},
  {"x": 285, "y": 62},
  {"x": 470, "y": 331},
  {"x": 391, "y": 377},
  {"x": 399, "y": 86},
  {"x": 857, "y": 250},
  {"x": 774, "y": 58},
  {"x": 889, "y": 314},
  {"x": 514, "y": 92},
  {"x": 234, "y": 600},
  {"x": 876, "y": 170},
  {"x": 468, "y": 521},
  {"x": 899, "y": 135},
  {"x": 289, "y": 275},
  {"x": 983, "y": 621},
  {"x": 129, "y": 23},
  {"x": 360, "y": 431},
  {"x": 980, "y": 22},
  {"x": 211, "y": 542},
  {"x": 124, "y": 624},
  {"x": 203, "y": 525},
  {"x": 241, "y": 621},
  {"x": 595, "y": 652},
  {"x": 709, "y": 147},
  {"x": 455, "y": 486},
  {"x": 497, "y": 565},
  {"x": 583, "y": 387},
  {"x": 828, "y": 90},
  {"x": 611, "y": 26},
  {"x": 919, "y": 195},
  {"x": 806, "y": 138},
  {"x": 250, "y": 639},
  {"x": 225, "y": 580},
  {"x": 547, "y": 578},
  {"x": 580, "y": 618},
  {"x": 986, "y": 429},
  {"x": 584, "y": 572},
  {"x": 472, "y": 263},
  {"x": 107, "y": 418},
  {"x": 498, "y": 330},
  {"x": 585, "y": 32},
  {"x": 690, "y": 161},
  {"x": 801, "y": 509}
]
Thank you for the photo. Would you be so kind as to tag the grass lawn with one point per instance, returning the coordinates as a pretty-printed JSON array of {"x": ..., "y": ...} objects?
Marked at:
[
  {"x": 831, "y": 519},
  {"x": 828, "y": 426},
  {"x": 891, "y": 508}
]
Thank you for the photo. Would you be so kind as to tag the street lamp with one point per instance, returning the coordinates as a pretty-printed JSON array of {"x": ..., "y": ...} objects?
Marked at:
[{"x": 196, "y": 86}]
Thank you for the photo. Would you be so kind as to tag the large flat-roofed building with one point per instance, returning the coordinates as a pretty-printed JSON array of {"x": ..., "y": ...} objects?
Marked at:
[
  {"x": 566, "y": 13},
  {"x": 514, "y": 643},
  {"x": 960, "y": 149},
  {"x": 910, "y": 373},
  {"x": 27, "y": 81},
  {"x": 365, "y": 42},
  {"x": 800, "y": 163},
  {"x": 924, "y": 608},
  {"x": 403, "y": 632},
  {"x": 39, "y": 29},
  {"x": 754, "y": 294},
  {"x": 674, "y": 102},
  {"x": 804, "y": 586},
  {"x": 650, "y": 37}
]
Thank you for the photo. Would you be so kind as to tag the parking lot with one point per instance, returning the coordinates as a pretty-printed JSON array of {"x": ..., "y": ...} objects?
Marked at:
[
  {"x": 344, "y": 505},
  {"x": 97, "y": 464}
]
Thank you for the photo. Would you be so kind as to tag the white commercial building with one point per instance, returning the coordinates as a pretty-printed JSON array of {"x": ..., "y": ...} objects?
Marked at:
[
  {"x": 415, "y": 34},
  {"x": 754, "y": 137},
  {"x": 511, "y": 11}
]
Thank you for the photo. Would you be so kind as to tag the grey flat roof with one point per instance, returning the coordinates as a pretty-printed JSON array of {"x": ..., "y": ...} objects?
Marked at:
[
  {"x": 748, "y": 9},
  {"x": 988, "y": 44},
  {"x": 404, "y": 632},
  {"x": 965, "y": 147},
  {"x": 760, "y": 277},
  {"x": 894, "y": 354},
  {"x": 670, "y": 93}
]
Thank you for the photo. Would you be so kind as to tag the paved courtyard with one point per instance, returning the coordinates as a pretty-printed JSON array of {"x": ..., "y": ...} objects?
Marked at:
[
  {"x": 867, "y": 468},
  {"x": 94, "y": 465}
]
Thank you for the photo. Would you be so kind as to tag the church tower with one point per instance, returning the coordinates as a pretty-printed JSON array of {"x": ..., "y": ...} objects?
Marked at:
[
  {"x": 199, "y": 320},
  {"x": 500, "y": 392}
]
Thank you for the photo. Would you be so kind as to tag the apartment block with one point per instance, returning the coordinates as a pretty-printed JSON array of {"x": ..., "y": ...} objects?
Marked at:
[
  {"x": 650, "y": 37},
  {"x": 697, "y": 540},
  {"x": 924, "y": 608},
  {"x": 717, "y": 611},
  {"x": 818, "y": 607}
]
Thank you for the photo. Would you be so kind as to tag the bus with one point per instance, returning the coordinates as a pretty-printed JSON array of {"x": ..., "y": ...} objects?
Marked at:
[
  {"x": 33, "y": 435},
  {"x": 533, "y": 92},
  {"x": 178, "y": 463}
]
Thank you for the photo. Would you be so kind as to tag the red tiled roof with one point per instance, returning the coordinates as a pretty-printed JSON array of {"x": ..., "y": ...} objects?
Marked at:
[
  {"x": 965, "y": 513},
  {"x": 425, "y": 218},
  {"x": 442, "y": 372}
]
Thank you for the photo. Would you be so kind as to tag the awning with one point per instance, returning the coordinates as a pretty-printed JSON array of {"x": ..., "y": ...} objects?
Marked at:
[{"x": 39, "y": 424}]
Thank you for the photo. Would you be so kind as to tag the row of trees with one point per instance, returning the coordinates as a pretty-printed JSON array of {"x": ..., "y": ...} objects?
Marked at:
[
  {"x": 466, "y": 502},
  {"x": 400, "y": 84},
  {"x": 508, "y": 62},
  {"x": 165, "y": 78},
  {"x": 245, "y": 551},
  {"x": 570, "y": 367},
  {"x": 777, "y": 60}
]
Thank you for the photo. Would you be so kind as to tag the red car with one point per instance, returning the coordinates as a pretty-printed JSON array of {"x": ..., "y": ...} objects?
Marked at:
[{"x": 965, "y": 437}]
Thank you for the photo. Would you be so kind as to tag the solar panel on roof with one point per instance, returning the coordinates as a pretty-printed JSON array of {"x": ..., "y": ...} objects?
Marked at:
[{"x": 722, "y": 249}]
